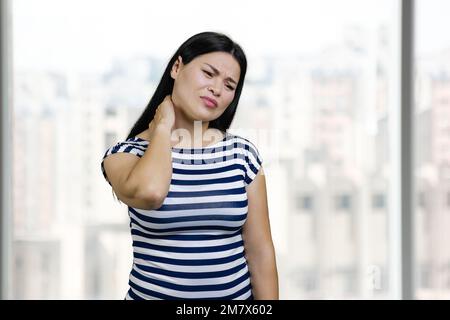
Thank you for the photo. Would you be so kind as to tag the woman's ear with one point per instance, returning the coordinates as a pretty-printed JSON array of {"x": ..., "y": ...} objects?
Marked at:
[{"x": 176, "y": 67}]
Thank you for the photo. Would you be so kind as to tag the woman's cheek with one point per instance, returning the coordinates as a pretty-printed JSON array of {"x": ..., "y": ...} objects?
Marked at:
[
  {"x": 201, "y": 82},
  {"x": 230, "y": 99},
  {"x": 185, "y": 91}
]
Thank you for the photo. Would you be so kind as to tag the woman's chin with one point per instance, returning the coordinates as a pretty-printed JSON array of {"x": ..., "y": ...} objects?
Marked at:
[{"x": 205, "y": 116}]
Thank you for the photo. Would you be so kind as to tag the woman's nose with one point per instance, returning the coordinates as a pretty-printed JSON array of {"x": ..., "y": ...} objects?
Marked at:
[{"x": 214, "y": 89}]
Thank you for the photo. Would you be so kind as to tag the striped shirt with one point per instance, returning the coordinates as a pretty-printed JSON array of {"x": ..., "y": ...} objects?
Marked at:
[{"x": 192, "y": 247}]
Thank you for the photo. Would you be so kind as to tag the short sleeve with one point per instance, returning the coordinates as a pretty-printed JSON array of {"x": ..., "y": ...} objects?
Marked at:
[
  {"x": 253, "y": 162},
  {"x": 130, "y": 146}
]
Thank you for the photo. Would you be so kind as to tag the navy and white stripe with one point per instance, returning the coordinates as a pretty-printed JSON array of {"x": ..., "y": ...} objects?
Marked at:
[{"x": 192, "y": 247}]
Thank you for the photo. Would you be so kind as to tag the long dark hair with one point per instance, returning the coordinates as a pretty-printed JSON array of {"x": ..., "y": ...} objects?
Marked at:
[{"x": 196, "y": 45}]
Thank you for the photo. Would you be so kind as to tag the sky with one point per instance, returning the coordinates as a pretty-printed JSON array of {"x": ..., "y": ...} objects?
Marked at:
[{"x": 86, "y": 35}]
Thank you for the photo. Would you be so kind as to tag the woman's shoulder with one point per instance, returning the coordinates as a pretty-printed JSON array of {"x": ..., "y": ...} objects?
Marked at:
[
  {"x": 143, "y": 136},
  {"x": 241, "y": 140},
  {"x": 134, "y": 145},
  {"x": 252, "y": 157}
]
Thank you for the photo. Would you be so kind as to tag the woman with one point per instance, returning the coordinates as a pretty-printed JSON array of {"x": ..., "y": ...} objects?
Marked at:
[{"x": 197, "y": 206}]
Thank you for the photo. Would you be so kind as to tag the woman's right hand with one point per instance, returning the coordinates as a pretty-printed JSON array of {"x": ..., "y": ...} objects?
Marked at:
[{"x": 164, "y": 115}]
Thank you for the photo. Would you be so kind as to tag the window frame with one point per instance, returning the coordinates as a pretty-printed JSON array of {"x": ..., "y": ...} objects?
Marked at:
[{"x": 5, "y": 146}]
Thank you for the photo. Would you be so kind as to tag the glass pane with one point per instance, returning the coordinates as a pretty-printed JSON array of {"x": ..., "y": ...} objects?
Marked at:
[
  {"x": 316, "y": 102},
  {"x": 432, "y": 157}
]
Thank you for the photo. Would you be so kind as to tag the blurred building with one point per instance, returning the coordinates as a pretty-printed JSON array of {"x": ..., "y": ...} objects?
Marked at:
[{"x": 321, "y": 124}]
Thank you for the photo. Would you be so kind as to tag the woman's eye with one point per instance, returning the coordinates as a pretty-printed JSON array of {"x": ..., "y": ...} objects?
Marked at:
[{"x": 208, "y": 73}]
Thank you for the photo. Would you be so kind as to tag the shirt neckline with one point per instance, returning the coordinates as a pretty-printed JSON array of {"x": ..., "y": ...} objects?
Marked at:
[{"x": 226, "y": 135}]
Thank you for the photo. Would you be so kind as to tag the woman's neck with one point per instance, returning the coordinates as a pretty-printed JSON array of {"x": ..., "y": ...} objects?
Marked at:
[
  {"x": 195, "y": 134},
  {"x": 189, "y": 133}
]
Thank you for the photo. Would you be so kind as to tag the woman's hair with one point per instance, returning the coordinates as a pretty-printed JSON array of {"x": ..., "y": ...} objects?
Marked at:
[{"x": 196, "y": 45}]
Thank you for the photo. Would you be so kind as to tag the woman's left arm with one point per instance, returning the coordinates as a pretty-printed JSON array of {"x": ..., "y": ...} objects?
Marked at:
[{"x": 259, "y": 249}]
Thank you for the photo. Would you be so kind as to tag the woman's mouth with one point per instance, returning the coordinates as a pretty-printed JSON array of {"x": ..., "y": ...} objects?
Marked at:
[{"x": 209, "y": 102}]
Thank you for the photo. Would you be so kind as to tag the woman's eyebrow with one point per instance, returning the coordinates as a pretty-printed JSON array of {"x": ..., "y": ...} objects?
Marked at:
[{"x": 217, "y": 72}]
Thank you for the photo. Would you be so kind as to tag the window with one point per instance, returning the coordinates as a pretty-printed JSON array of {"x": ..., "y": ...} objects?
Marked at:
[
  {"x": 431, "y": 114},
  {"x": 422, "y": 200},
  {"x": 337, "y": 113},
  {"x": 379, "y": 201},
  {"x": 343, "y": 202},
  {"x": 305, "y": 202},
  {"x": 111, "y": 111},
  {"x": 448, "y": 200}
]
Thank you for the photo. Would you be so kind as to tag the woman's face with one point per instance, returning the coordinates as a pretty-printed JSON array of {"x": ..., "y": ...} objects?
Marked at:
[{"x": 213, "y": 75}]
